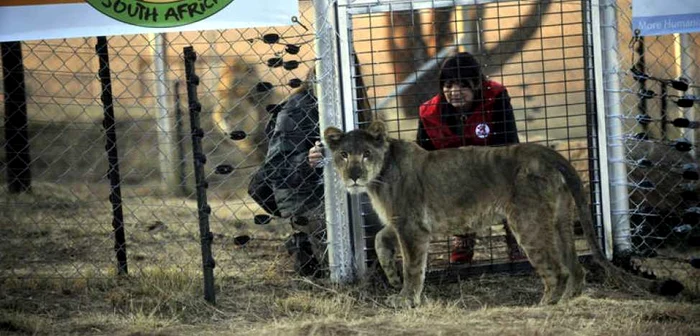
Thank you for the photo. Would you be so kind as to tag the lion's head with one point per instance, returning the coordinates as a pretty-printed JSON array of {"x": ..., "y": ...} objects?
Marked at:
[{"x": 358, "y": 156}]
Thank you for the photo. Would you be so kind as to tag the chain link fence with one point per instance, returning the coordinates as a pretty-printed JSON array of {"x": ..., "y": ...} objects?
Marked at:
[
  {"x": 260, "y": 110},
  {"x": 82, "y": 207},
  {"x": 655, "y": 81}
]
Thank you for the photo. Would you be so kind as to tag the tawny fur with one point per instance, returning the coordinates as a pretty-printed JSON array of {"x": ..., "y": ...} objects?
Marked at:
[{"x": 419, "y": 194}]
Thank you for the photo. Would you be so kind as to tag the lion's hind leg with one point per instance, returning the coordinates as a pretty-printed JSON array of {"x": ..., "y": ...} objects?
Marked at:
[
  {"x": 565, "y": 225},
  {"x": 532, "y": 220},
  {"x": 546, "y": 262},
  {"x": 385, "y": 243}
]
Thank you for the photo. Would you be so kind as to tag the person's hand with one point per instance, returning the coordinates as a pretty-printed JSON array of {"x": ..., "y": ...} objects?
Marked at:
[{"x": 315, "y": 154}]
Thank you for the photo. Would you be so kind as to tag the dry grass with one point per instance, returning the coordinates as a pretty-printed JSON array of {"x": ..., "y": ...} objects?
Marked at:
[
  {"x": 170, "y": 303},
  {"x": 57, "y": 277}
]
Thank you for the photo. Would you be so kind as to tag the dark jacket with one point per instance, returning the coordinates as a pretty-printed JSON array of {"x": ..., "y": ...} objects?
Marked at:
[
  {"x": 490, "y": 123},
  {"x": 292, "y": 132}
]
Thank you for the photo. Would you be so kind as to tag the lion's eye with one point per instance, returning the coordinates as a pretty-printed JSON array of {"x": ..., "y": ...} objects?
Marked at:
[
  {"x": 344, "y": 155},
  {"x": 366, "y": 154}
]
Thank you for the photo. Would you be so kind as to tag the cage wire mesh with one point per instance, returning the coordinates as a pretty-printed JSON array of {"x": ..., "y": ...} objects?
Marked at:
[
  {"x": 63, "y": 227},
  {"x": 658, "y": 90},
  {"x": 537, "y": 49}
]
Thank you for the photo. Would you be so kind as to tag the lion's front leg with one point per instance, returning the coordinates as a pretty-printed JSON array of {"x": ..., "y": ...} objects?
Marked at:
[
  {"x": 414, "y": 249},
  {"x": 385, "y": 246}
]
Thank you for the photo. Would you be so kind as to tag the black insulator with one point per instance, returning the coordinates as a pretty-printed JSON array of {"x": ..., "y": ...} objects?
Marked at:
[
  {"x": 642, "y": 136},
  {"x": 688, "y": 192},
  {"x": 695, "y": 262},
  {"x": 637, "y": 74},
  {"x": 194, "y": 79},
  {"x": 685, "y": 102},
  {"x": 275, "y": 62},
  {"x": 190, "y": 56},
  {"x": 679, "y": 84},
  {"x": 685, "y": 123},
  {"x": 262, "y": 219},
  {"x": 646, "y": 94},
  {"x": 300, "y": 220},
  {"x": 206, "y": 209},
  {"x": 683, "y": 146},
  {"x": 241, "y": 240},
  {"x": 643, "y": 119},
  {"x": 224, "y": 169},
  {"x": 273, "y": 108},
  {"x": 200, "y": 158},
  {"x": 689, "y": 196},
  {"x": 691, "y": 175},
  {"x": 271, "y": 38},
  {"x": 295, "y": 82},
  {"x": 238, "y": 135},
  {"x": 681, "y": 122},
  {"x": 196, "y": 106},
  {"x": 645, "y": 163},
  {"x": 292, "y": 49},
  {"x": 264, "y": 86},
  {"x": 691, "y": 215},
  {"x": 646, "y": 185},
  {"x": 291, "y": 65}
]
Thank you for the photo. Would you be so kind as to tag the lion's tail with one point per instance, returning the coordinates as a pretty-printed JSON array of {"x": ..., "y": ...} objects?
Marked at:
[{"x": 620, "y": 277}]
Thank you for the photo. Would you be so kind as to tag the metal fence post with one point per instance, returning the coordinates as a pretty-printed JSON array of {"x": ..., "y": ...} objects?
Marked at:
[
  {"x": 340, "y": 254},
  {"x": 203, "y": 209},
  {"x": 19, "y": 177},
  {"x": 597, "y": 152},
  {"x": 619, "y": 196},
  {"x": 115, "y": 196},
  {"x": 165, "y": 139}
]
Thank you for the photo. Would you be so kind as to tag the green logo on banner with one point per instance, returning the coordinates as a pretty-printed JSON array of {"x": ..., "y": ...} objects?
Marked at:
[{"x": 159, "y": 13}]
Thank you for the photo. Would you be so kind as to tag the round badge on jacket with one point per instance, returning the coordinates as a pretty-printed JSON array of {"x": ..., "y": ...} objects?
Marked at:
[{"x": 482, "y": 130}]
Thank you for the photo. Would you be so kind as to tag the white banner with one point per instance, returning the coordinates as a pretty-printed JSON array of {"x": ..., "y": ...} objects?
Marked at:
[
  {"x": 51, "y": 19},
  {"x": 655, "y": 17}
]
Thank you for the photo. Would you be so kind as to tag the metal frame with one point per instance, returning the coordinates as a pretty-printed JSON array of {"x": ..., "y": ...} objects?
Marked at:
[
  {"x": 344, "y": 11},
  {"x": 331, "y": 112},
  {"x": 615, "y": 197},
  {"x": 349, "y": 103},
  {"x": 687, "y": 70},
  {"x": 378, "y": 6}
]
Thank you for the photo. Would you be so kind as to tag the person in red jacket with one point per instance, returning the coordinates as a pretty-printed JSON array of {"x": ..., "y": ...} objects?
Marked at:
[{"x": 470, "y": 110}]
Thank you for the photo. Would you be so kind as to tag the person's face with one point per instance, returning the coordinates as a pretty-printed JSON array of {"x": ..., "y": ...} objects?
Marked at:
[{"x": 458, "y": 95}]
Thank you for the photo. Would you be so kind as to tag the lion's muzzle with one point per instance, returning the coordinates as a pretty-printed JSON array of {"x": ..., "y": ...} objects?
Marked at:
[{"x": 354, "y": 173}]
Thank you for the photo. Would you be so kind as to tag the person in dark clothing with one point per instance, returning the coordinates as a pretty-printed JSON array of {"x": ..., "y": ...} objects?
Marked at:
[
  {"x": 289, "y": 183},
  {"x": 470, "y": 110},
  {"x": 287, "y": 186}
]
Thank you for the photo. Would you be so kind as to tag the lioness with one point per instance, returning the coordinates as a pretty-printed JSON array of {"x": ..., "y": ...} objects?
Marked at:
[{"x": 419, "y": 193}]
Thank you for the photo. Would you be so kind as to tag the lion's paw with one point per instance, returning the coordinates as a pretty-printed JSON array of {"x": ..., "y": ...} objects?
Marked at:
[
  {"x": 395, "y": 282},
  {"x": 401, "y": 301}
]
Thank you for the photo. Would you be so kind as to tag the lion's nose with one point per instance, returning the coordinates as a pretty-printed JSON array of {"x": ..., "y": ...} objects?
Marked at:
[{"x": 355, "y": 173}]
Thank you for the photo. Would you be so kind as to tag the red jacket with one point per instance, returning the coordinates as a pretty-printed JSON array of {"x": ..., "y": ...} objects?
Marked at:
[{"x": 476, "y": 128}]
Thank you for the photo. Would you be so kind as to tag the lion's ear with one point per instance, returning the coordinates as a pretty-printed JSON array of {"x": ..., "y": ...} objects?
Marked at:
[
  {"x": 377, "y": 129},
  {"x": 332, "y": 136}
]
